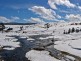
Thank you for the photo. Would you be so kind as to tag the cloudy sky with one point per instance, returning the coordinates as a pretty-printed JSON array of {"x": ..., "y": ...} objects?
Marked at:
[{"x": 23, "y": 11}]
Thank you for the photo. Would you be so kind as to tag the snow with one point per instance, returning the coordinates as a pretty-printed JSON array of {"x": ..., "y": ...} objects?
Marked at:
[
  {"x": 70, "y": 57},
  {"x": 46, "y": 37},
  {"x": 42, "y": 38},
  {"x": 65, "y": 47},
  {"x": 30, "y": 39},
  {"x": 34, "y": 55},
  {"x": 23, "y": 37},
  {"x": 76, "y": 44},
  {"x": 70, "y": 43},
  {"x": 10, "y": 43},
  {"x": 12, "y": 48}
]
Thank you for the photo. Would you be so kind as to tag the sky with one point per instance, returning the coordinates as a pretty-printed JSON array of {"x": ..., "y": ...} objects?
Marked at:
[{"x": 39, "y": 11}]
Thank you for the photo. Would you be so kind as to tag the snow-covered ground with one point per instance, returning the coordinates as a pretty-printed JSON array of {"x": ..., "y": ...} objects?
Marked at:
[
  {"x": 8, "y": 43},
  {"x": 34, "y": 55},
  {"x": 70, "y": 43}
]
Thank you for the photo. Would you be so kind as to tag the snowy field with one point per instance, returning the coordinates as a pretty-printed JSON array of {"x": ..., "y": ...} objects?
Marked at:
[{"x": 70, "y": 43}]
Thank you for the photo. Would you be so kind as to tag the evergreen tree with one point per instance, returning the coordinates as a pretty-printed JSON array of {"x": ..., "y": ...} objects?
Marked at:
[
  {"x": 69, "y": 31},
  {"x": 64, "y": 32},
  {"x": 73, "y": 29}
]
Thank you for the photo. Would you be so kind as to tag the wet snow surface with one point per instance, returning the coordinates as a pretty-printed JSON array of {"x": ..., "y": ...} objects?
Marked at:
[{"x": 36, "y": 43}]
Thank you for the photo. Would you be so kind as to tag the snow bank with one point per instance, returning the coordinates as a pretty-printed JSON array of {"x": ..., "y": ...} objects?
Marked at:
[
  {"x": 71, "y": 46},
  {"x": 30, "y": 39},
  {"x": 34, "y": 55},
  {"x": 8, "y": 43},
  {"x": 46, "y": 37}
]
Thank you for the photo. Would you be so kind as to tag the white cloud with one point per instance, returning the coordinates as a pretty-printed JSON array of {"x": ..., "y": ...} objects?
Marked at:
[
  {"x": 63, "y": 11},
  {"x": 35, "y": 20},
  {"x": 4, "y": 19},
  {"x": 25, "y": 19},
  {"x": 67, "y": 3},
  {"x": 79, "y": 7},
  {"x": 62, "y": 21},
  {"x": 73, "y": 17},
  {"x": 52, "y": 4},
  {"x": 15, "y": 18},
  {"x": 44, "y": 13},
  {"x": 58, "y": 16},
  {"x": 7, "y": 20}
]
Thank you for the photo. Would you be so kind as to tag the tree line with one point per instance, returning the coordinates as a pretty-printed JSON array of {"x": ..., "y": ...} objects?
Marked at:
[{"x": 72, "y": 30}]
